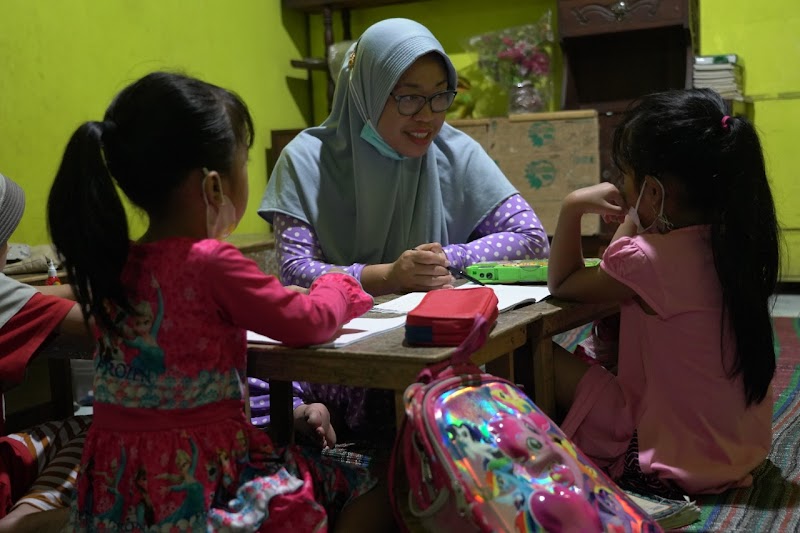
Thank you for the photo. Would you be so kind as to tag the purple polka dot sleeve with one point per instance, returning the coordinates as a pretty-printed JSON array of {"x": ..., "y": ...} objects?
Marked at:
[
  {"x": 511, "y": 231},
  {"x": 299, "y": 254}
]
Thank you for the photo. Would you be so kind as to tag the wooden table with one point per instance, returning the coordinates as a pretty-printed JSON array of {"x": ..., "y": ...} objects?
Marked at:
[{"x": 385, "y": 361}]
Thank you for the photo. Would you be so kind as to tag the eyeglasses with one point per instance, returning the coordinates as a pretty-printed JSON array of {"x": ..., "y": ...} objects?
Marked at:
[{"x": 411, "y": 104}]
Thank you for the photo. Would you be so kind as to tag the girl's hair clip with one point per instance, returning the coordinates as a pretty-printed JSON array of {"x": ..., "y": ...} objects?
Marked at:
[{"x": 726, "y": 122}]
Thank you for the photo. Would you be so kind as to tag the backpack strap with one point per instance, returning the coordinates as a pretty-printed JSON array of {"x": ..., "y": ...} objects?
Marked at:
[{"x": 459, "y": 362}]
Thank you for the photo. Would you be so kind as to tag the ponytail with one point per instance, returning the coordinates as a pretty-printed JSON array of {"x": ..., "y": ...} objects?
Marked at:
[
  {"x": 686, "y": 136},
  {"x": 746, "y": 247},
  {"x": 88, "y": 224},
  {"x": 155, "y": 133}
]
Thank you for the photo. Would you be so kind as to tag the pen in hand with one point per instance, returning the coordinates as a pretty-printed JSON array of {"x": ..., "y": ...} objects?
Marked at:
[{"x": 457, "y": 272}]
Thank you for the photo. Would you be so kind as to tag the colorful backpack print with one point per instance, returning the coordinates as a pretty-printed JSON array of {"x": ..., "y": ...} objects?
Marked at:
[{"x": 475, "y": 454}]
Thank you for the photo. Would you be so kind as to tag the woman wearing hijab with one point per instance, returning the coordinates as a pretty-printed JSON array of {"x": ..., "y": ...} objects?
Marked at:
[
  {"x": 384, "y": 189},
  {"x": 388, "y": 192}
]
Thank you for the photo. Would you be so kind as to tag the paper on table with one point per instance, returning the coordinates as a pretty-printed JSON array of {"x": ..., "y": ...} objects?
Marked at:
[
  {"x": 508, "y": 297},
  {"x": 355, "y": 330}
]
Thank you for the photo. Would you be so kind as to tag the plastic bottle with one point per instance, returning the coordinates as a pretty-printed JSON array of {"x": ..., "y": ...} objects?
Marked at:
[{"x": 52, "y": 276}]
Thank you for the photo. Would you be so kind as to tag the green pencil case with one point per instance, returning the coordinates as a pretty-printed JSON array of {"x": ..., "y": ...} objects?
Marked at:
[{"x": 518, "y": 271}]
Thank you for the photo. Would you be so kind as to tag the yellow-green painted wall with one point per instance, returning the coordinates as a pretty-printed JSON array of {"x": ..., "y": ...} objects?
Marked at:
[
  {"x": 62, "y": 62},
  {"x": 767, "y": 36}
]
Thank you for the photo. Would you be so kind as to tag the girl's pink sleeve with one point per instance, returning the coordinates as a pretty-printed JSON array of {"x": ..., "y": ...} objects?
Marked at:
[
  {"x": 627, "y": 261},
  {"x": 253, "y": 300}
]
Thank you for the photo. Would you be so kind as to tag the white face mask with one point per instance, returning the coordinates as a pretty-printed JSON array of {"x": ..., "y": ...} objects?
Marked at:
[
  {"x": 633, "y": 212},
  {"x": 219, "y": 223}
]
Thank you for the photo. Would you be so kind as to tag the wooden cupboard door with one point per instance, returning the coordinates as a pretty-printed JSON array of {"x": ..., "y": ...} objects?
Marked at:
[{"x": 589, "y": 17}]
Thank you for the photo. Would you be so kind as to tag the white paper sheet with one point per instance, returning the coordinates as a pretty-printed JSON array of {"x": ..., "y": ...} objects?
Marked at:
[
  {"x": 355, "y": 330},
  {"x": 508, "y": 297}
]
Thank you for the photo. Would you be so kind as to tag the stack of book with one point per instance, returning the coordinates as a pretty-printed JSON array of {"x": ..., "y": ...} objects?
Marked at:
[
  {"x": 670, "y": 514},
  {"x": 723, "y": 73}
]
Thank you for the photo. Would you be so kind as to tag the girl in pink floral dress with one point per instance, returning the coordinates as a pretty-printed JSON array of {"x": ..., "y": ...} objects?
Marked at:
[{"x": 170, "y": 448}]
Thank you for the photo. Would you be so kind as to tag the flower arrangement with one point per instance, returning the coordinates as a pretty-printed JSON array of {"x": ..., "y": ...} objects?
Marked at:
[{"x": 518, "y": 58}]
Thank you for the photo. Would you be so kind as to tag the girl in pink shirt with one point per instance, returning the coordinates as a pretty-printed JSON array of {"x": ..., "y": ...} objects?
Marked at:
[{"x": 693, "y": 265}]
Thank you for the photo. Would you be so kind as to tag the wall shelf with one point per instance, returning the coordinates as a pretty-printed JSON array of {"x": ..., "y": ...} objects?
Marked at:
[
  {"x": 326, "y": 8},
  {"x": 310, "y": 63}
]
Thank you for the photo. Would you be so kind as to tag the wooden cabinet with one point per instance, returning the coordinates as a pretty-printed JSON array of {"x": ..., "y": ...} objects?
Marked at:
[
  {"x": 616, "y": 51},
  {"x": 582, "y": 17}
]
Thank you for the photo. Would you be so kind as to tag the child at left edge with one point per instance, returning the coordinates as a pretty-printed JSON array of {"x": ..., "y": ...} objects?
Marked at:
[{"x": 169, "y": 447}]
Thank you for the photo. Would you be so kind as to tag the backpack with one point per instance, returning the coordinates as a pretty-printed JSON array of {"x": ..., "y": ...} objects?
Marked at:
[{"x": 474, "y": 453}]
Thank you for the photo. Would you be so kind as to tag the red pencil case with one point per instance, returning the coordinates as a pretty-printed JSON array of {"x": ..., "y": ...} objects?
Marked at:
[{"x": 445, "y": 317}]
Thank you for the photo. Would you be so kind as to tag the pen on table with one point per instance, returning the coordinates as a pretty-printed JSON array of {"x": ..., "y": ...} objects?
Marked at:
[{"x": 461, "y": 274}]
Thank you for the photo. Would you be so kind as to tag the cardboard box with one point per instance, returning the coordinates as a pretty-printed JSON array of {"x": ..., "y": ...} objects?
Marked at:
[{"x": 545, "y": 156}]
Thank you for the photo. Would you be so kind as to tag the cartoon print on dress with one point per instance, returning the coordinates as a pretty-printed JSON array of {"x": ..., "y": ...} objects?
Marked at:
[
  {"x": 87, "y": 470},
  {"x": 222, "y": 470},
  {"x": 194, "y": 504},
  {"x": 143, "y": 509},
  {"x": 140, "y": 331},
  {"x": 108, "y": 348},
  {"x": 145, "y": 326},
  {"x": 241, "y": 453},
  {"x": 114, "y": 514}
]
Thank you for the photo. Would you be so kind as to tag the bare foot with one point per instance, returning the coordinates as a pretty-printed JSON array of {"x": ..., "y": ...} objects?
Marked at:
[{"x": 314, "y": 420}]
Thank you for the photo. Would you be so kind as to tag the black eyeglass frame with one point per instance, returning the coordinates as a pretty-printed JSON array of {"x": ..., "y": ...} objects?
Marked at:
[{"x": 427, "y": 100}]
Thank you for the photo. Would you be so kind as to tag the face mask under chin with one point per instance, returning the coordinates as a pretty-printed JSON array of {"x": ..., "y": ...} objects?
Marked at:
[
  {"x": 371, "y": 135},
  {"x": 660, "y": 221}
]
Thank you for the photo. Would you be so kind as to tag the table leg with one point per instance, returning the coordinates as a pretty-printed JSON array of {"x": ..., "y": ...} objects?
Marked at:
[
  {"x": 544, "y": 376},
  {"x": 502, "y": 367},
  {"x": 281, "y": 427},
  {"x": 61, "y": 387}
]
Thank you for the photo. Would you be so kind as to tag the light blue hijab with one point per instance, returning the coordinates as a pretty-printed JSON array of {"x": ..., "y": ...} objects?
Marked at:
[{"x": 369, "y": 208}]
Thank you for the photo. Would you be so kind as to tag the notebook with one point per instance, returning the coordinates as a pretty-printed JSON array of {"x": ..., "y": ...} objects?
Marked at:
[
  {"x": 355, "y": 330},
  {"x": 508, "y": 297}
]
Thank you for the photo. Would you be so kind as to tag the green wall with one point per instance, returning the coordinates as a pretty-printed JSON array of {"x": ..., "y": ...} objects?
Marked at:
[
  {"x": 767, "y": 36},
  {"x": 64, "y": 61}
]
